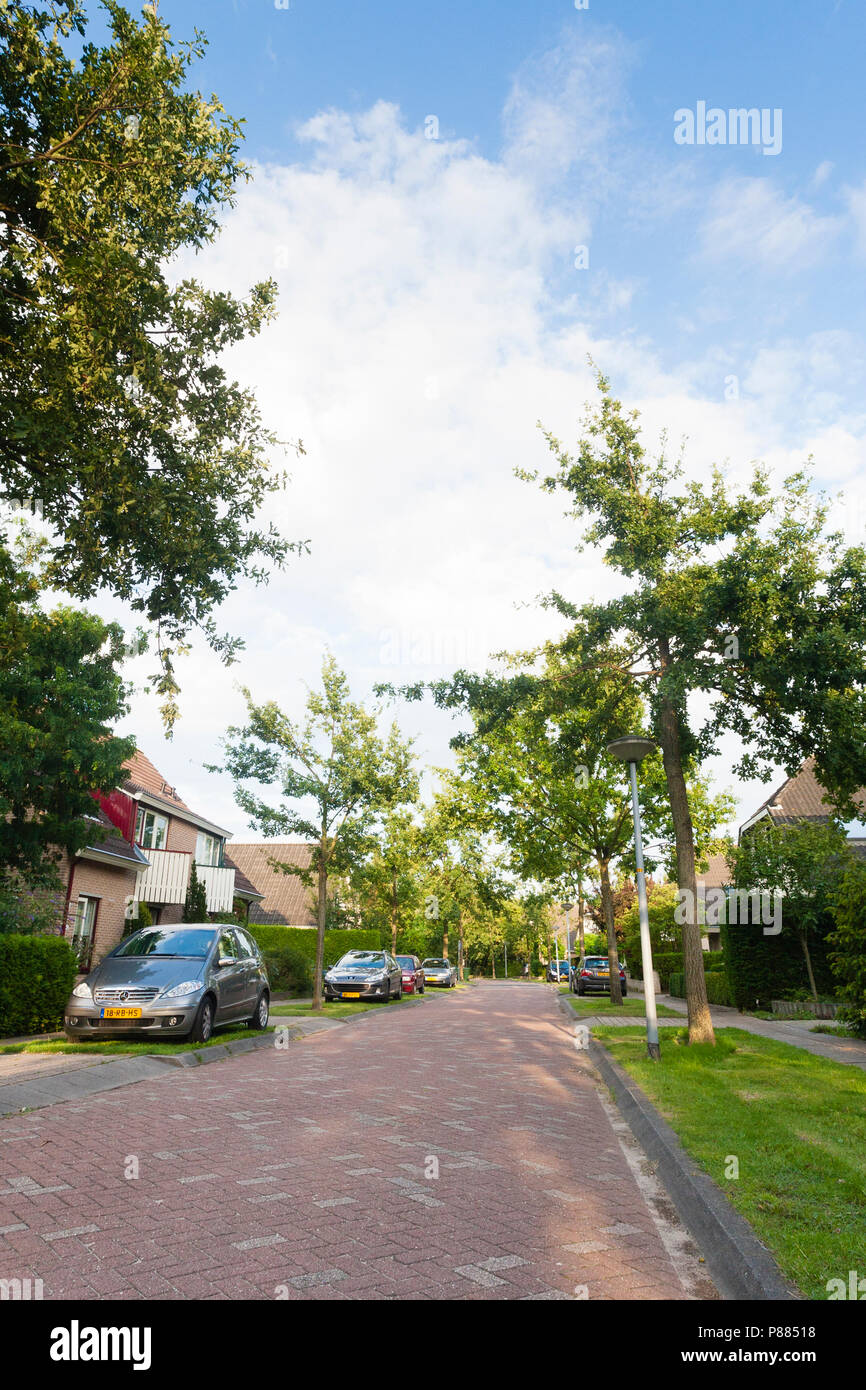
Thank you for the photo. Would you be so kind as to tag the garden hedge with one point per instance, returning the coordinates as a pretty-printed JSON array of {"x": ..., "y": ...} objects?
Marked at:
[
  {"x": 760, "y": 968},
  {"x": 37, "y": 974},
  {"x": 718, "y": 991},
  {"x": 339, "y": 940}
]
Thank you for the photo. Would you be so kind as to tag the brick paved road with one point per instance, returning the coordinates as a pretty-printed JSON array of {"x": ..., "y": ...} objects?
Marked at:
[{"x": 300, "y": 1173}]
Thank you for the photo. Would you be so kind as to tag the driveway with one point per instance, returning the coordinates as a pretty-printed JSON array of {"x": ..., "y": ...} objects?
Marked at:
[{"x": 459, "y": 1149}]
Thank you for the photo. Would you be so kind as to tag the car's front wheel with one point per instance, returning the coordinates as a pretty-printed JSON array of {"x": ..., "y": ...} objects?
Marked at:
[
  {"x": 259, "y": 1019},
  {"x": 202, "y": 1029}
]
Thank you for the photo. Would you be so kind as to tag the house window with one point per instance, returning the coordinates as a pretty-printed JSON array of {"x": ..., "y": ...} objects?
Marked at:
[
  {"x": 82, "y": 929},
  {"x": 208, "y": 849},
  {"x": 151, "y": 829}
]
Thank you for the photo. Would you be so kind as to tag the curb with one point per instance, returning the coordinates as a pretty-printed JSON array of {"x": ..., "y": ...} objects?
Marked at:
[{"x": 741, "y": 1266}]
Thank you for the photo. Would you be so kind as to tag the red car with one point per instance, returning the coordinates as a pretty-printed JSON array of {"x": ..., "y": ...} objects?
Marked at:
[{"x": 413, "y": 975}]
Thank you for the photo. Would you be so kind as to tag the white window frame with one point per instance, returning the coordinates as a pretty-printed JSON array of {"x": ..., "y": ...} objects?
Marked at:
[
  {"x": 208, "y": 850},
  {"x": 157, "y": 821}
]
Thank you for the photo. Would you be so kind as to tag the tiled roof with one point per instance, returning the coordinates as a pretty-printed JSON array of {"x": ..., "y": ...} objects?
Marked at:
[
  {"x": 243, "y": 886},
  {"x": 144, "y": 777},
  {"x": 801, "y": 797},
  {"x": 718, "y": 874},
  {"x": 111, "y": 842},
  {"x": 285, "y": 899}
]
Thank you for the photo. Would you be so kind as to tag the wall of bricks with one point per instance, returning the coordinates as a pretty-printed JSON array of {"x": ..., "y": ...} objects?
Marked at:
[{"x": 111, "y": 886}]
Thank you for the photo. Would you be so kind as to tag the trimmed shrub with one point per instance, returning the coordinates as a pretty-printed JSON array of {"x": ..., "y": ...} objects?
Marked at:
[
  {"x": 761, "y": 968},
  {"x": 677, "y": 985},
  {"x": 289, "y": 970},
  {"x": 37, "y": 974},
  {"x": 848, "y": 943},
  {"x": 303, "y": 940},
  {"x": 718, "y": 991}
]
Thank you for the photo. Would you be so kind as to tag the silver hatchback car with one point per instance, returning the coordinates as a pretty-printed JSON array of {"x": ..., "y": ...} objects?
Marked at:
[{"x": 172, "y": 982}]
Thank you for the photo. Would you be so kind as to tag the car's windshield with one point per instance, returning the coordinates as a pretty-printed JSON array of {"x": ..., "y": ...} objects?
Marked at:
[
  {"x": 363, "y": 960},
  {"x": 406, "y": 961},
  {"x": 186, "y": 941},
  {"x": 437, "y": 964}
]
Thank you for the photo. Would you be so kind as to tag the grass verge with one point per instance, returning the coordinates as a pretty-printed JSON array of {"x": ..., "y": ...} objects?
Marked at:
[
  {"x": 795, "y": 1123},
  {"x": 115, "y": 1047},
  {"x": 600, "y": 1004}
]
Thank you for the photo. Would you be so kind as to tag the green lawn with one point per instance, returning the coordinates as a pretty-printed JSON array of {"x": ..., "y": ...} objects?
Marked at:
[
  {"x": 114, "y": 1047},
  {"x": 600, "y": 1004},
  {"x": 797, "y": 1125},
  {"x": 342, "y": 1008}
]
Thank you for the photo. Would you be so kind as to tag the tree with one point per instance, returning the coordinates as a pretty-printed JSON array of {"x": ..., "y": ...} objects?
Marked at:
[
  {"x": 195, "y": 903},
  {"x": 116, "y": 417},
  {"x": 739, "y": 597},
  {"x": 60, "y": 694},
  {"x": 334, "y": 762},
  {"x": 557, "y": 799},
  {"x": 805, "y": 863}
]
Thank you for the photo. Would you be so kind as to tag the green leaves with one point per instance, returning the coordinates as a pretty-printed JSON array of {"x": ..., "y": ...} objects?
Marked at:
[
  {"x": 60, "y": 694},
  {"x": 149, "y": 462}
]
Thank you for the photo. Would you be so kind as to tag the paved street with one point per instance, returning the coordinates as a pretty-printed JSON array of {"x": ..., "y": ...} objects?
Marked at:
[{"x": 307, "y": 1172}]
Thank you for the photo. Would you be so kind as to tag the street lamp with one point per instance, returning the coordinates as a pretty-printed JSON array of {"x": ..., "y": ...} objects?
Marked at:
[
  {"x": 566, "y": 907},
  {"x": 632, "y": 750}
]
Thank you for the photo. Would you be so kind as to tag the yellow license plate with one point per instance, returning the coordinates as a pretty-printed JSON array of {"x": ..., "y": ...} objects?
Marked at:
[
  {"x": 603, "y": 974},
  {"x": 120, "y": 1013},
  {"x": 351, "y": 996}
]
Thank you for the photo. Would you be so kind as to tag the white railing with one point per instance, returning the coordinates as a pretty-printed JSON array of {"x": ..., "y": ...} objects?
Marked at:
[
  {"x": 220, "y": 886},
  {"x": 166, "y": 878}
]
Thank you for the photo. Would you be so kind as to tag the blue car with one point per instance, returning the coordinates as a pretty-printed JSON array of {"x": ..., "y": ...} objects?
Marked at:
[{"x": 558, "y": 970}]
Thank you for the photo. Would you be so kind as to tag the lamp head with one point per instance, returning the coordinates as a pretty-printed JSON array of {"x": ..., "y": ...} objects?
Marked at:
[{"x": 631, "y": 749}]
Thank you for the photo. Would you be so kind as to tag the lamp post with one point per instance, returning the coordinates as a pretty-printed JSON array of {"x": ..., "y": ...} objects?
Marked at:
[
  {"x": 566, "y": 907},
  {"x": 632, "y": 750}
]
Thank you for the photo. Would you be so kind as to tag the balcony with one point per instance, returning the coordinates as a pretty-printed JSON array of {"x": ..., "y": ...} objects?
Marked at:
[
  {"x": 167, "y": 878},
  {"x": 219, "y": 885},
  {"x": 165, "y": 881}
]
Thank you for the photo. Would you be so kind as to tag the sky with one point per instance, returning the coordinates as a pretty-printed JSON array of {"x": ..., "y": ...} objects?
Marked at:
[{"x": 461, "y": 202}]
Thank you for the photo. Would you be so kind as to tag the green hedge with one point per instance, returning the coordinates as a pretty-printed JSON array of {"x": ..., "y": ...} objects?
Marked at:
[
  {"x": 718, "y": 991},
  {"x": 274, "y": 939},
  {"x": 37, "y": 974},
  {"x": 289, "y": 971},
  {"x": 668, "y": 963},
  {"x": 761, "y": 968}
]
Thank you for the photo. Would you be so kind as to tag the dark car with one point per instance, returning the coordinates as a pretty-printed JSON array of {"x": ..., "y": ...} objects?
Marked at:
[
  {"x": 592, "y": 976},
  {"x": 558, "y": 970},
  {"x": 173, "y": 982},
  {"x": 413, "y": 974},
  {"x": 438, "y": 970},
  {"x": 364, "y": 975}
]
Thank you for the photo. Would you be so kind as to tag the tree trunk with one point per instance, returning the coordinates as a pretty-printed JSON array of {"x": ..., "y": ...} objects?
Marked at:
[
  {"x": 612, "y": 952},
  {"x": 320, "y": 928},
  {"x": 394, "y": 921},
  {"x": 445, "y": 940},
  {"x": 808, "y": 959},
  {"x": 580, "y": 918},
  {"x": 700, "y": 1022},
  {"x": 460, "y": 967}
]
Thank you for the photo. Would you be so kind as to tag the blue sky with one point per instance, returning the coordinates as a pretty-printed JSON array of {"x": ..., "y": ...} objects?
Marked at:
[{"x": 432, "y": 309}]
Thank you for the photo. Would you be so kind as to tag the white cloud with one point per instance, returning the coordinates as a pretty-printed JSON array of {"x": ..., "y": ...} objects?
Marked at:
[
  {"x": 752, "y": 221},
  {"x": 414, "y": 352}
]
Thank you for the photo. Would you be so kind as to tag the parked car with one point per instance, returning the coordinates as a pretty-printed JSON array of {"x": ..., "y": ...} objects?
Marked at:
[
  {"x": 591, "y": 975},
  {"x": 174, "y": 982},
  {"x": 413, "y": 974},
  {"x": 438, "y": 970},
  {"x": 364, "y": 975},
  {"x": 558, "y": 970}
]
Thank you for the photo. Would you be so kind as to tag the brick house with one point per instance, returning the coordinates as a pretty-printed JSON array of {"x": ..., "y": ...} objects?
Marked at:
[
  {"x": 283, "y": 899},
  {"x": 145, "y": 839}
]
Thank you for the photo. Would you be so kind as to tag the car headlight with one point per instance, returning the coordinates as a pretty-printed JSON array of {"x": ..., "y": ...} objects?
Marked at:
[
  {"x": 82, "y": 991},
  {"x": 188, "y": 987}
]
